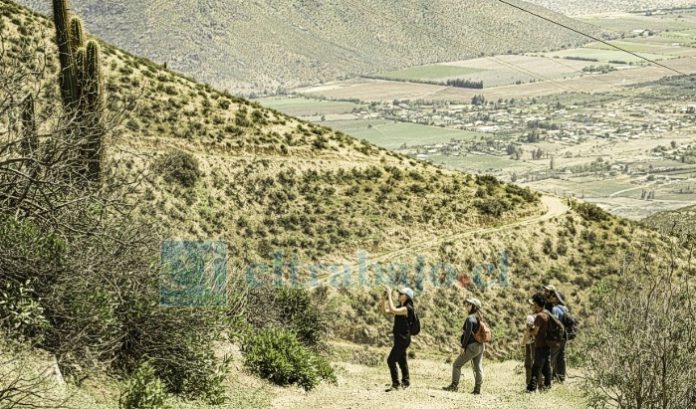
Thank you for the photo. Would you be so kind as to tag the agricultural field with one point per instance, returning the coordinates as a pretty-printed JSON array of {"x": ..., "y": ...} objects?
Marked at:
[
  {"x": 585, "y": 7},
  {"x": 308, "y": 107},
  {"x": 483, "y": 163},
  {"x": 493, "y": 71},
  {"x": 373, "y": 90},
  {"x": 393, "y": 135},
  {"x": 606, "y": 55},
  {"x": 434, "y": 72},
  {"x": 627, "y": 22}
]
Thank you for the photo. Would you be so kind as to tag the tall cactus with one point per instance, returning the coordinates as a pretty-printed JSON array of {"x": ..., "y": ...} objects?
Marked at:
[
  {"x": 93, "y": 102},
  {"x": 80, "y": 83},
  {"x": 68, "y": 80},
  {"x": 77, "y": 36},
  {"x": 30, "y": 138}
]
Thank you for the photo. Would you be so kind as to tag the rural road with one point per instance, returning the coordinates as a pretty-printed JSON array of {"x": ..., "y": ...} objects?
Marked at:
[{"x": 554, "y": 207}]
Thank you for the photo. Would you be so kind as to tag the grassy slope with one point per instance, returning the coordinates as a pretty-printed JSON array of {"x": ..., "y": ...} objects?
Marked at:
[
  {"x": 244, "y": 45},
  {"x": 272, "y": 182},
  {"x": 680, "y": 222}
]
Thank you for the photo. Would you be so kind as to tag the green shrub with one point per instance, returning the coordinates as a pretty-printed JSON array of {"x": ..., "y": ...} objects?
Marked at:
[
  {"x": 179, "y": 344},
  {"x": 591, "y": 212},
  {"x": 277, "y": 355},
  {"x": 291, "y": 308},
  {"x": 180, "y": 167},
  {"x": 492, "y": 207},
  {"x": 144, "y": 390}
]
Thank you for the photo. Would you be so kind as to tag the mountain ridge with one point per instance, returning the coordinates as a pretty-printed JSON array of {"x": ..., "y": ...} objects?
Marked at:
[{"x": 269, "y": 45}]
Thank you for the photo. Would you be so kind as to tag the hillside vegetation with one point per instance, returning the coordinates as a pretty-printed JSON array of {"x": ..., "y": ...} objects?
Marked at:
[
  {"x": 680, "y": 222},
  {"x": 262, "y": 45},
  {"x": 215, "y": 167},
  {"x": 194, "y": 163}
]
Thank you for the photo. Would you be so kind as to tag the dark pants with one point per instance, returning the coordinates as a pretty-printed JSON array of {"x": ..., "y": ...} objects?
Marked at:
[
  {"x": 558, "y": 362},
  {"x": 528, "y": 362},
  {"x": 542, "y": 366},
  {"x": 398, "y": 355}
]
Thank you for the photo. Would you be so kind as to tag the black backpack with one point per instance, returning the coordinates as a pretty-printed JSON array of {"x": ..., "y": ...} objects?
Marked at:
[
  {"x": 414, "y": 324},
  {"x": 555, "y": 331},
  {"x": 570, "y": 324}
]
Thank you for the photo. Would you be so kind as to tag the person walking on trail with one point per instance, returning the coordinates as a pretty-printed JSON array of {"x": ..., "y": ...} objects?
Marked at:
[
  {"x": 403, "y": 314},
  {"x": 559, "y": 310},
  {"x": 528, "y": 345},
  {"x": 471, "y": 349},
  {"x": 542, "y": 351}
]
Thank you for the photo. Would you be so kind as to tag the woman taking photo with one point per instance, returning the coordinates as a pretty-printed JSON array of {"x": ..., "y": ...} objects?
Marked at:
[{"x": 403, "y": 315}]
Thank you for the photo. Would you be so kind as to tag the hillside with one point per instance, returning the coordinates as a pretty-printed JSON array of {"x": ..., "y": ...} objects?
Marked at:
[
  {"x": 680, "y": 222},
  {"x": 260, "y": 46},
  {"x": 268, "y": 183}
]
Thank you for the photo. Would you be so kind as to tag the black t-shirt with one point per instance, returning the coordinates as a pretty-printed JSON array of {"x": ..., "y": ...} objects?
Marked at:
[
  {"x": 471, "y": 325},
  {"x": 401, "y": 322}
]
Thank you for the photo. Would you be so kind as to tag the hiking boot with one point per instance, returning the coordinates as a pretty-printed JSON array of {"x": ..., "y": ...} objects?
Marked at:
[
  {"x": 451, "y": 388},
  {"x": 394, "y": 387},
  {"x": 477, "y": 390}
]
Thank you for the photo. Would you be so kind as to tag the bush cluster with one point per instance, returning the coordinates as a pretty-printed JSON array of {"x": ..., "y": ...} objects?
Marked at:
[
  {"x": 277, "y": 355},
  {"x": 144, "y": 390},
  {"x": 179, "y": 167}
]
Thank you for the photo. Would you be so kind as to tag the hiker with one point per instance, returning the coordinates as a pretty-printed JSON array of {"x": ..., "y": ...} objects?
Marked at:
[
  {"x": 560, "y": 311},
  {"x": 528, "y": 344},
  {"x": 471, "y": 349},
  {"x": 542, "y": 351},
  {"x": 403, "y": 315}
]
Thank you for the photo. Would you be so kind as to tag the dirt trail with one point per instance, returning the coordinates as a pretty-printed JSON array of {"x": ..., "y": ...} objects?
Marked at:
[
  {"x": 363, "y": 387},
  {"x": 555, "y": 206}
]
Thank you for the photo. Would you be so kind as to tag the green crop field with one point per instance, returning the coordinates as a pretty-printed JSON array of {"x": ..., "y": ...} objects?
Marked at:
[
  {"x": 623, "y": 22},
  {"x": 479, "y": 163},
  {"x": 392, "y": 135},
  {"x": 302, "y": 107},
  {"x": 682, "y": 35},
  {"x": 605, "y": 56},
  {"x": 644, "y": 48},
  {"x": 434, "y": 72}
]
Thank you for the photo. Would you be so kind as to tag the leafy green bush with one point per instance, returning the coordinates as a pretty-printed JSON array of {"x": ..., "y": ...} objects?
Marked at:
[
  {"x": 291, "y": 308},
  {"x": 144, "y": 390},
  {"x": 180, "y": 167},
  {"x": 277, "y": 355},
  {"x": 492, "y": 207},
  {"x": 591, "y": 212},
  {"x": 179, "y": 344}
]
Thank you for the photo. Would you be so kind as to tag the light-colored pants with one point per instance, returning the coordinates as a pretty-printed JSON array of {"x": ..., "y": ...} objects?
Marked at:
[{"x": 473, "y": 353}]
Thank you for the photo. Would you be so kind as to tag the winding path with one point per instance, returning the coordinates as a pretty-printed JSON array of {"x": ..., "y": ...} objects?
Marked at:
[{"x": 555, "y": 207}]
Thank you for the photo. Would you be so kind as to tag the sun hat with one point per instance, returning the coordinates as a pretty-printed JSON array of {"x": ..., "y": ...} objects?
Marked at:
[
  {"x": 407, "y": 291},
  {"x": 550, "y": 288},
  {"x": 475, "y": 302}
]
